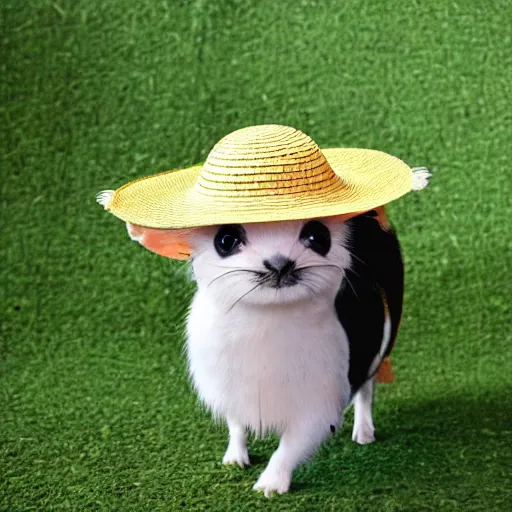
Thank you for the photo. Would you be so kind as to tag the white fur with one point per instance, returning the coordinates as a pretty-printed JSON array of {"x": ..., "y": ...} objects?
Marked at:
[
  {"x": 277, "y": 360},
  {"x": 104, "y": 197},
  {"x": 363, "y": 431},
  {"x": 386, "y": 338},
  {"x": 237, "y": 448},
  {"x": 134, "y": 234},
  {"x": 420, "y": 178}
]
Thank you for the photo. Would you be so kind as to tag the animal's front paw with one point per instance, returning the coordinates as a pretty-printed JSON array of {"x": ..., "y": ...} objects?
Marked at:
[
  {"x": 236, "y": 454},
  {"x": 272, "y": 481},
  {"x": 363, "y": 433}
]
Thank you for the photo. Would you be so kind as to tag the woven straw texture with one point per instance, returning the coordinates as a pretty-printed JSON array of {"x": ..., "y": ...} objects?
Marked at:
[{"x": 261, "y": 174}]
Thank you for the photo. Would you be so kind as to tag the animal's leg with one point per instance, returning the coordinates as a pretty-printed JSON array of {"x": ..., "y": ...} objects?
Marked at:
[
  {"x": 237, "y": 446},
  {"x": 363, "y": 432},
  {"x": 296, "y": 445}
]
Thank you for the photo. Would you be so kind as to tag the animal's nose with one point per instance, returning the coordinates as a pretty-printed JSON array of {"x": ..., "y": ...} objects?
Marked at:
[{"x": 279, "y": 264}]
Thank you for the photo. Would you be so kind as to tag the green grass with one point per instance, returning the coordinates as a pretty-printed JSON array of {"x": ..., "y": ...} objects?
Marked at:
[{"x": 96, "y": 409}]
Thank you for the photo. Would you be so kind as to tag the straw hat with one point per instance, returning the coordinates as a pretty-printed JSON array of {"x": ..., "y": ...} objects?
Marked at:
[{"x": 261, "y": 174}]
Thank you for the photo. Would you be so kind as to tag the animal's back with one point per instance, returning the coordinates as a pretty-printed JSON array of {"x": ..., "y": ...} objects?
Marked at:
[{"x": 371, "y": 295}]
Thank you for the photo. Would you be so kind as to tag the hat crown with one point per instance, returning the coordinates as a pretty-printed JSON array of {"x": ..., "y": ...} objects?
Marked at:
[{"x": 265, "y": 160}]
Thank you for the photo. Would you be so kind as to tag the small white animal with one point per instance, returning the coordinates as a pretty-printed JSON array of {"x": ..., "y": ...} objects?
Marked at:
[{"x": 290, "y": 322}]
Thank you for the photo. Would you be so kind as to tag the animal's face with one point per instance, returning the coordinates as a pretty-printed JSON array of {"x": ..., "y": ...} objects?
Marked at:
[{"x": 270, "y": 263}]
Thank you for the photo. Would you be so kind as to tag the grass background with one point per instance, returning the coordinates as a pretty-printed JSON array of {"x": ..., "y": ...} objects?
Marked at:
[{"x": 96, "y": 409}]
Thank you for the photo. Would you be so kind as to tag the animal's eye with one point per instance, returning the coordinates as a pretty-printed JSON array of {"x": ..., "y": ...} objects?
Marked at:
[
  {"x": 316, "y": 236},
  {"x": 228, "y": 239}
]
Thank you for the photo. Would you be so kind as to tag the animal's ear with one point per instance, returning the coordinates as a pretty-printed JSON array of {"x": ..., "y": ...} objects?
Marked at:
[
  {"x": 171, "y": 243},
  {"x": 382, "y": 218}
]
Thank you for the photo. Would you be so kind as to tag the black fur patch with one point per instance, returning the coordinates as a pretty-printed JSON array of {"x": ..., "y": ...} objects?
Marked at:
[{"x": 377, "y": 268}]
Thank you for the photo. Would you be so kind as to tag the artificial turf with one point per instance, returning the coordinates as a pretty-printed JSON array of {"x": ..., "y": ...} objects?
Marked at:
[{"x": 96, "y": 409}]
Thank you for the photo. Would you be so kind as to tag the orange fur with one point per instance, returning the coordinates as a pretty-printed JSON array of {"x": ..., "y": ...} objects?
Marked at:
[{"x": 385, "y": 372}]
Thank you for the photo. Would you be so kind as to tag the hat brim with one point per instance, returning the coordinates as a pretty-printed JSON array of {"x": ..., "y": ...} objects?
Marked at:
[{"x": 170, "y": 200}]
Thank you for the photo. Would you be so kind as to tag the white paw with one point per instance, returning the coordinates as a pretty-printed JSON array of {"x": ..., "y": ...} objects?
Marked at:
[
  {"x": 363, "y": 433},
  {"x": 271, "y": 481},
  {"x": 236, "y": 455}
]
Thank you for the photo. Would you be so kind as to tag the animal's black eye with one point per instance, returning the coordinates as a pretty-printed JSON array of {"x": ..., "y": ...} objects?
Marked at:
[
  {"x": 228, "y": 239},
  {"x": 316, "y": 236}
]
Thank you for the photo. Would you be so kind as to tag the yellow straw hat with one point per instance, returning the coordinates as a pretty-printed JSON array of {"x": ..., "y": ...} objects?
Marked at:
[{"x": 262, "y": 174}]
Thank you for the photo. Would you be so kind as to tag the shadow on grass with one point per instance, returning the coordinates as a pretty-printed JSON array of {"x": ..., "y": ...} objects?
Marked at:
[{"x": 441, "y": 442}]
